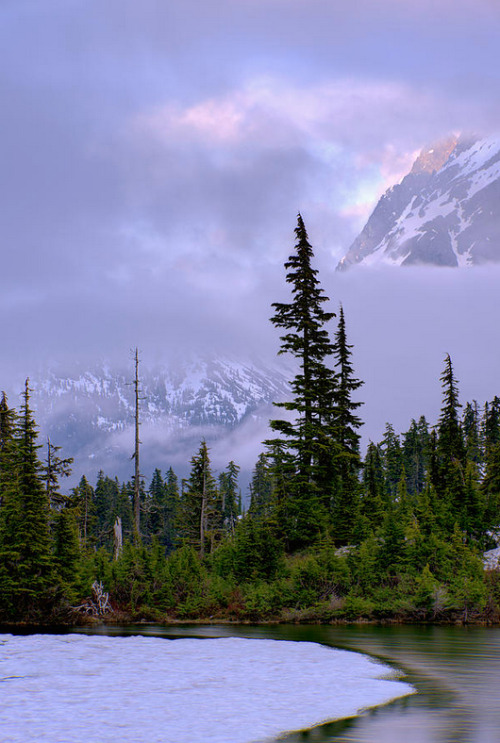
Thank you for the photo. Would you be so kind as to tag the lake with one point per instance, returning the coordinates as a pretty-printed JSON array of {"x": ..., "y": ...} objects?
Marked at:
[{"x": 455, "y": 671}]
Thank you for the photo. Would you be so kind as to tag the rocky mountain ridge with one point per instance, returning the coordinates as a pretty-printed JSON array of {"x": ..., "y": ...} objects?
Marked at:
[{"x": 445, "y": 212}]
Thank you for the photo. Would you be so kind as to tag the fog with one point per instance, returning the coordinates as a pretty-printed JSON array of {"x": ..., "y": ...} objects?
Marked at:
[{"x": 155, "y": 156}]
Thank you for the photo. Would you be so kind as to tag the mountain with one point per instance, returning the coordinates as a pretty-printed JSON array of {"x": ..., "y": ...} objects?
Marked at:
[
  {"x": 90, "y": 412},
  {"x": 445, "y": 212}
]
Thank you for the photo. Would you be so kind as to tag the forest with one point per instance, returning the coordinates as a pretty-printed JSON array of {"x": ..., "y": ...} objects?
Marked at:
[{"x": 328, "y": 535}]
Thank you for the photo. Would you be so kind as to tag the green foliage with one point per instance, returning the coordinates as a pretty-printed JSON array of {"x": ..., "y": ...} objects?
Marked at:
[
  {"x": 67, "y": 552},
  {"x": 200, "y": 514},
  {"x": 257, "y": 549}
]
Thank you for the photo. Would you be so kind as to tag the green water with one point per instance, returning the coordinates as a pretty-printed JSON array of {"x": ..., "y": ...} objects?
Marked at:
[{"x": 456, "y": 671}]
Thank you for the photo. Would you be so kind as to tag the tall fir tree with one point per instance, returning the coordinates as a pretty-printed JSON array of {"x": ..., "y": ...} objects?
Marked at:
[
  {"x": 82, "y": 502},
  {"x": 261, "y": 487},
  {"x": 392, "y": 456},
  {"x": 415, "y": 455},
  {"x": 450, "y": 436},
  {"x": 228, "y": 491},
  {"x": 26, "y": 561},
  {"x": 345, "y": 439},
  {"x": 307, "y": 340},
  {"x": 451, "y": 450},
  {"x": 200, "y": 512}
]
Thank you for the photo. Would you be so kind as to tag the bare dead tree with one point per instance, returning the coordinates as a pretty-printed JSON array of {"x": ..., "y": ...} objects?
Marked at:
[
  {"x": 135, "y": 456},
  {"x": 117, "y": 538}
]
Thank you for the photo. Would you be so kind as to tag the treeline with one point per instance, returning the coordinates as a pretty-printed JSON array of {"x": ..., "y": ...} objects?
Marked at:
[{"x": 328, "y": 534}]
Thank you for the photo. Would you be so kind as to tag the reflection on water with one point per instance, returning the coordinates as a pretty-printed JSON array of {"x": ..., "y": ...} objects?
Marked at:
[{"x": 456, "y": 671}]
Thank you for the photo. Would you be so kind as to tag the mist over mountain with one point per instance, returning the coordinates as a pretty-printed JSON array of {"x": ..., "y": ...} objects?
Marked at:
[
  {"x": 445, "y": 212},
  {"x": 89, "y": 412}
]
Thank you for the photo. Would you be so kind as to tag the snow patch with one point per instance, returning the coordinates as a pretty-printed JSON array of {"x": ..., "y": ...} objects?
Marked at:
[{"x": 78, "y": 688}]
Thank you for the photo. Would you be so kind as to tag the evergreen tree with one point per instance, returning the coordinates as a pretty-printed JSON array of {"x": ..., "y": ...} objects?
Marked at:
[
  {"x": 54, "y": 468},
  {"x": 82, "y": 500},
  {"x": 472, "y": 434},
  {"x": 491, "y": 426},
  {"x": 228, "y": 491},
  {"x": 307, "y": 340},
  {"x": 392, "y": 457},
  {"x": 200, "y": 513},
  {"x": 67, "y": 551},
  {"x": 373, "y": 496},
  {"x": 163, "y": 497},
  {"x": 26, "y": 563},
  {"x": 123, "y": 508},
  {"x": 415, "y": 455},
  {"x": 170, "y": 511},
  {"x": 261, "y": 487},
  {"x": 105, "y": 502},
  {"x": 8, "y": 423},
  {"x": 451, "y": 450},
  {"x": 8, "y": 419},
  {"x": 450, "y": 437},
  {"x": 346, "y": 456},
  {"x": 155, "y": 500}
]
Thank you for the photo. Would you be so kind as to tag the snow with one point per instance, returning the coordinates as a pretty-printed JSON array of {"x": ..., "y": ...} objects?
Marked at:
[
  {"x": 448, "y": 193},
  {"x": 76, "y": 688}
]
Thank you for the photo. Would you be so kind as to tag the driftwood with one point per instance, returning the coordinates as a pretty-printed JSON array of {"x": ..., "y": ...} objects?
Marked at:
[{"x": 98, "y": 605}]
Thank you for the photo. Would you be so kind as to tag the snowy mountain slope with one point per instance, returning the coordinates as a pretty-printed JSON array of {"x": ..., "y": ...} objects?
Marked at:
[
  {"x": 90, "y": 412},
  {"x": 445, "y": 212}
]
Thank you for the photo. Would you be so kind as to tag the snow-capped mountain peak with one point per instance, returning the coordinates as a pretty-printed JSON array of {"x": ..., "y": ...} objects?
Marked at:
[{"x": 445, "y": 212}]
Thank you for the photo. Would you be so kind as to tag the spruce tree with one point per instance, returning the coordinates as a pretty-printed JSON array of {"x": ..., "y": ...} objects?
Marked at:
[
  {"x": 450, "y": 436},
  {"x": 8, "y": 422},
  {"x": 26, "y": 562},
  {"x": 54, "y": 468},
  {"x": 200, "y": 512},
  {"x": 261, "y": 487},
  {"x": 373, "y": 503},
  {"x": 451, "y": 451},
  {"x": 307, "y": 340},
  {"x": 82, "y": 501},
  {"x": 393, "y": 460},
  {"x": 67, "y": 552},
  {"x": 171, "y": 510},
  {"x": 228, "y": 491},
  {"x": 346, "y": 460},
  {"x": 415, "y": 455}
]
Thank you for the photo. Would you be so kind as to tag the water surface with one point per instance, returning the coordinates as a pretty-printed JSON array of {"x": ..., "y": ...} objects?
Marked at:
[{"x": 456, "y": 671}]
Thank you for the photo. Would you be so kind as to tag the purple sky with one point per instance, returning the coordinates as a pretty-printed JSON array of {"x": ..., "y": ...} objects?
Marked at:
[{"x": 155, "y": 154}]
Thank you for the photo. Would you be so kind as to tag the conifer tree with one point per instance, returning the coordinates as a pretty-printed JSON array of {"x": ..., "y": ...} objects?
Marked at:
[
  {"x": 200, "y": 513},
  {"x": 171, "y": 509},
  {"x": 8, "y": 422},
  {"x": 307, "y": 340},
  {"x": 105, "y": 503},
  {"x": 393, "y": 460},
  {"x": 344, "y": 478},
  {"x": 54, "y": 468},
  {"x": 491, "y": 426},
  {"x": 372, "y": 502},
  {"x": 472, "y": 433},
  {"x": 67, "y": 551},
  {"x": 26, "y": 563},
  {"x": 261, "y": 487},
  {"x": 450, "y": 449},
  {"x": 82, "y": 500},
  {"x": 450, "y": 437},
  {"x": 415, "y": 455},
  {"x": 228, "y": 492},
  {"x": 8, "y": 418}
]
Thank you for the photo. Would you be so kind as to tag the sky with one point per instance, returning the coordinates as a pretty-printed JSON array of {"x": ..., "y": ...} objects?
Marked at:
[{"x": 155, "y": 155}]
